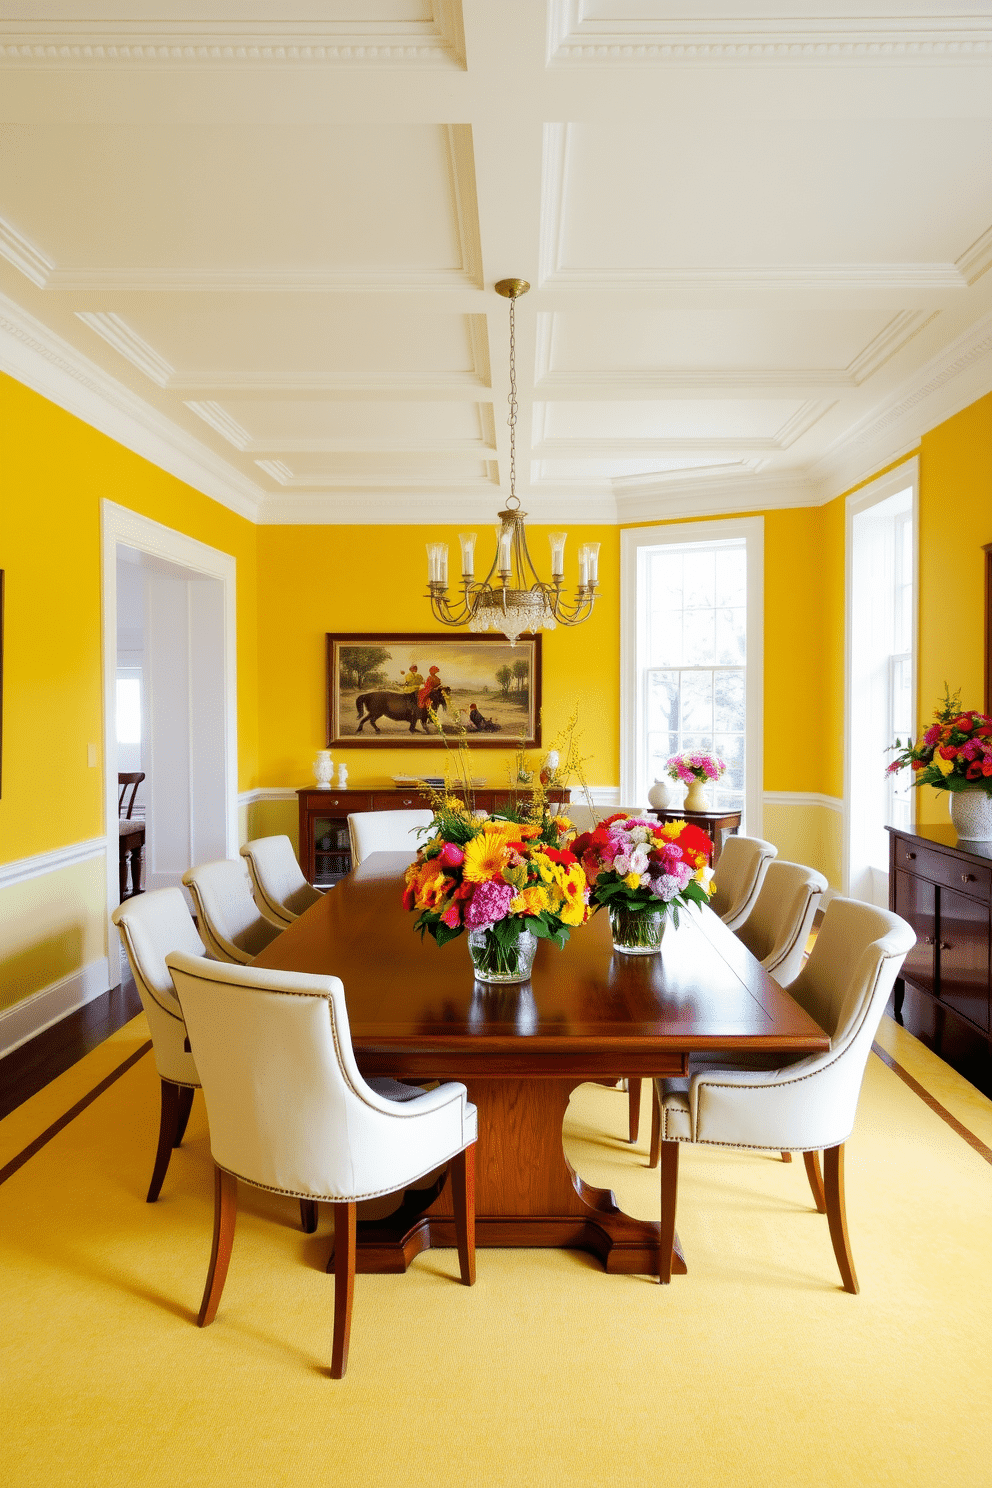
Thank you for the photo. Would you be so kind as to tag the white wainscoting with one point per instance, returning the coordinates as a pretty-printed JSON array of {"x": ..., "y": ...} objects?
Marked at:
[{"x": 21, "y": 869}]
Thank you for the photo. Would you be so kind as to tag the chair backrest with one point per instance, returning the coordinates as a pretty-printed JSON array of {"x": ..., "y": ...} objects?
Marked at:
[
  {"x": 281, "y": 891},
  {"x": 128, "y": 779},
  {"x": 739, "y": 876},
  {"x": 778, "y": 926},
  {"x": 150, "y": 926},
  {"x": 230, "y": 924},
  {"x": 844, "y": 985},
  {"x": 287, "y": 1106},
  {"x": 386, "y": 831}
]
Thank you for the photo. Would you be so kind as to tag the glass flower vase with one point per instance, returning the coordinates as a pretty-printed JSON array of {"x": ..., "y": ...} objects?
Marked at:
[
  {"x": 637, "y": 932},
  {"x": 496, "y": 962}
]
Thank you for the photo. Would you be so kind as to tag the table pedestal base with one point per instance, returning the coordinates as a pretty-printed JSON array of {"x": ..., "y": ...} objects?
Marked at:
[{"x": 527, "y": 1192}]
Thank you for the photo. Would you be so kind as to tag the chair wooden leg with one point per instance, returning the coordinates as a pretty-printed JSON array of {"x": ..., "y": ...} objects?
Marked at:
[
  {"x": 833, "y": 1176},
  {"x": 186, "y": 1094},
  {"x": 345, "y": 1231},
  {"x": 167, "y": 1128},
  {"x": 633, "y": 1108},
  {"x": 308, "y": 1216},
  {"x": 786, "y": 1156},
  {"x": 812, "y": 1161},
  {"x": 669, "y": 1195},
  {"x": 225, "y": 1218},
  {"x": 655, "y": 1127},
  {"x": 462, "y": 1173}
]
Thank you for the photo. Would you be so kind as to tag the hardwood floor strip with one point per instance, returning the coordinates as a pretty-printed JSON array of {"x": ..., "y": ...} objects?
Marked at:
[
  {"x": 87, "y": 1100},
  {"x": 974, "y": 1142}
]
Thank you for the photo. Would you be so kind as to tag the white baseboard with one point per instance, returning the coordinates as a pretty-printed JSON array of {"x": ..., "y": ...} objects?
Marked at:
[{"x": 39, "y": 1011}]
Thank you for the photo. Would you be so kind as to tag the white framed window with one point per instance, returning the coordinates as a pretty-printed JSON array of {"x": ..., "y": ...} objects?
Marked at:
[
  {"x": 880, "y": 673},
  {"x": 691, "y": 655}
]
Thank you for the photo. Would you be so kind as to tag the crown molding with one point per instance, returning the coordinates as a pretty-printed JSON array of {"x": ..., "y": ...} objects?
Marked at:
[
  {"x": 948, "y": 382},
  {"x": 929, "y": 278},
  {"x": 438, "y": 42},
  {"x": 805, "y": 416},
  {"x": 975, "y": 260},
  {"x": 416, "y": 508},
  {"x": 749, "y": 382},
  {"x": 222, "y": 423},
  {"x": 888, "y": 343},
  {"x": 43, "y": 361},
  {"x": 31, "y": 262},
  {"x": 128, "y": 344},
  {"x": 575, "y": 40},
  {"x": 715, "y": 495},
  {"x": 359, "y": 486}
]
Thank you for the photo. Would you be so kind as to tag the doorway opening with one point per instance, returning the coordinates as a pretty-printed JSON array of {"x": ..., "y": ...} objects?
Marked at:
[{"x": 169, "y": 697}]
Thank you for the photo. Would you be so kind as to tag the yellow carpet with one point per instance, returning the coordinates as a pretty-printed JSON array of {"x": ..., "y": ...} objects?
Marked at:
[{"x": 755, "y": 1369}]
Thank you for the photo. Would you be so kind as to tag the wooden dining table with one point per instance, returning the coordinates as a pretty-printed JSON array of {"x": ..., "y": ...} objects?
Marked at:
[{"x": 587, "y": 1014}]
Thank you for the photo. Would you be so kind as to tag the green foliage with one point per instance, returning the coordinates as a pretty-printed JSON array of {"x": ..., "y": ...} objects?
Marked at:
[{"x": 361, "y": 666}]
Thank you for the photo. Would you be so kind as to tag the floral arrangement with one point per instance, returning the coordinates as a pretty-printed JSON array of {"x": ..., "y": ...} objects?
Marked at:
[
  {"x": 690, "y": 766},
  {"x": 498, "y": 875},
  {"x": 954, "y": 754},
  {"x": 635, "y": 866}
]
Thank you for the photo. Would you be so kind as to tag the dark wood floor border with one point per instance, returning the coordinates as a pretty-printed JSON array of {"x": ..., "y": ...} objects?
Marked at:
[
  {"x": 975, "y": 1143},
  {"x": 87, "y": 1100}
]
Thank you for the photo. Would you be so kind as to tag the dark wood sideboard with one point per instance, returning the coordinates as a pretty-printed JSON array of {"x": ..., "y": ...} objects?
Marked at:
[
  {"x": 943, "y": 887},
  {"x": 325, "y": 853}
]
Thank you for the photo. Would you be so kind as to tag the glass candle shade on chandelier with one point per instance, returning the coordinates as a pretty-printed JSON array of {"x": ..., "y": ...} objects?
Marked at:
[{"x": 512, "y": 597}]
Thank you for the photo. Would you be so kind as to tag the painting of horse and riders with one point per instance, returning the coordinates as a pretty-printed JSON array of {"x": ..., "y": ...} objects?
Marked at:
[{"x": 408, "y": 689}]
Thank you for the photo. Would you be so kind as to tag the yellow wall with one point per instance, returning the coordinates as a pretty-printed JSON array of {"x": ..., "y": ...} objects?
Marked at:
[
  {"x": 315, "y": 580},
  {"x": 55, "y": 470},
  {"x": 955, "y": 522}
]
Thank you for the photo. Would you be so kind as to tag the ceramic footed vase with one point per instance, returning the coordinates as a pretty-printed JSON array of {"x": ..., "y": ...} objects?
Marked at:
[{"x": 696, "y": 798}]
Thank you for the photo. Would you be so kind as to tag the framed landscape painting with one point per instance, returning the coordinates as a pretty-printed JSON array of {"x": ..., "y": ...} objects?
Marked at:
[{"x": 382, "y": 690}]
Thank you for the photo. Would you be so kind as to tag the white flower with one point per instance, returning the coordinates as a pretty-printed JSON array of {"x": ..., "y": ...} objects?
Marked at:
[
  {"x": 639, "y": 859},
  {"x": 621, "y": 864},
  {"x": 640, "y": 834}
]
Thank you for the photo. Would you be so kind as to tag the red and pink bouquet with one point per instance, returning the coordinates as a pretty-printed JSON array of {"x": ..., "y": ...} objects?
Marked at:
[
  {"x": 643, "y": 871},
  {"x": 954, "y": 754}
]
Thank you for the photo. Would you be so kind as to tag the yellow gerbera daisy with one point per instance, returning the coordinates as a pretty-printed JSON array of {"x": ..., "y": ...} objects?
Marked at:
[{"x": 486, "y": 854}]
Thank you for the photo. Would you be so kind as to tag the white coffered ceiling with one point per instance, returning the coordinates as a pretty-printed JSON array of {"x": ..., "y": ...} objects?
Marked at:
[{"x": 258, "y": 243}]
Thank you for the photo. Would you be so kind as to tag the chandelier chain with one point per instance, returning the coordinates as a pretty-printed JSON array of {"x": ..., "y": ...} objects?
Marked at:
[{"x": 513, "y": 500}]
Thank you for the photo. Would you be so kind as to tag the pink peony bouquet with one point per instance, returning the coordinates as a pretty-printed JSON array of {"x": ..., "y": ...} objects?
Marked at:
[{"x": 690, "y": 766}]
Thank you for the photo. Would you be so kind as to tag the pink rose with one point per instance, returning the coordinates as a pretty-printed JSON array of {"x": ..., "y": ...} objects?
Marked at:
[{"x": 451, "y": 855}]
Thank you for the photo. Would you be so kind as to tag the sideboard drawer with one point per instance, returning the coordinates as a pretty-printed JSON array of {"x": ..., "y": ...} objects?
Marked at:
[
  {"x": 953, "y": 872},
  {"x": 345, "y": 801},
  {"x": 407, "y": 800}
]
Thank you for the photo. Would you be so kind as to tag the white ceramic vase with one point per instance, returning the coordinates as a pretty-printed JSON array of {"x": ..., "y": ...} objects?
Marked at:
[
  {"x": 658, "y": 795},
  {"x": 696, "y": 798},
  {"x": 323, "y": 769},
  {"x": 971, "y": 813}
]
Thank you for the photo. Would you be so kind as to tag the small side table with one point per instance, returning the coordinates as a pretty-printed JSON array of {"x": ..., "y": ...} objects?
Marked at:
[{"x": 716, "y": 824}]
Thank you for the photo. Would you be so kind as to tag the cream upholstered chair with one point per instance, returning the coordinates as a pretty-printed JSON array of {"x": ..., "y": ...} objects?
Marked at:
[
  {"x": 778, "y": 927},
  {"x": 738, "y": 878},
  {"x": 385, "y": 831},
  {"x": 151, "y": 926},
  {"x": 280, "y": 889},
  {"x": 806, "y": 1104},
  {"x": 290, "y": 1112},
  {"x": 231, "y": 926}
]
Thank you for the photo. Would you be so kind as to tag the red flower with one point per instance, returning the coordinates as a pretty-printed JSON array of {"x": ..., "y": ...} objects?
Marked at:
[
  {"x": 693, "y": 839},
  {"x": 947, "y": 751},
  {"x": 984, "y": 731},
  {"x": 408, "y": 897},
  {"x": 563, "y": 859},
  {"x": 987, "y": 765},
  {"x": 973, "y": 771},
  {"x": 964, "y": 722}
]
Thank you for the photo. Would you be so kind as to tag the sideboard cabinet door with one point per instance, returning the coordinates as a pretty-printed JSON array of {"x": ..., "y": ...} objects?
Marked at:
[
  {"x": 916, "y": 901},
  {"x": 964, "y": 956}
]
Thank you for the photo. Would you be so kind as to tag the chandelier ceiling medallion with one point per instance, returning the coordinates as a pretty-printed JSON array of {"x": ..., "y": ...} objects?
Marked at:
[{"x": 512, "y": 598}]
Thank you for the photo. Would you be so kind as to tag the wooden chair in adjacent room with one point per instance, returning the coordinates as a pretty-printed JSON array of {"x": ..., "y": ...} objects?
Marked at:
[
  {"x": 290, "y": 1112},
  {"x": 738, "y": 878},
  {"x": 150, "y": 927},
  {"x": 281, "y": 892},
  {"x": 385, "y": 831},
  {"x": 131, "y": 834},
  {"x": 230, "y": 924},
  {"x": 807, "y": 1105}
]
